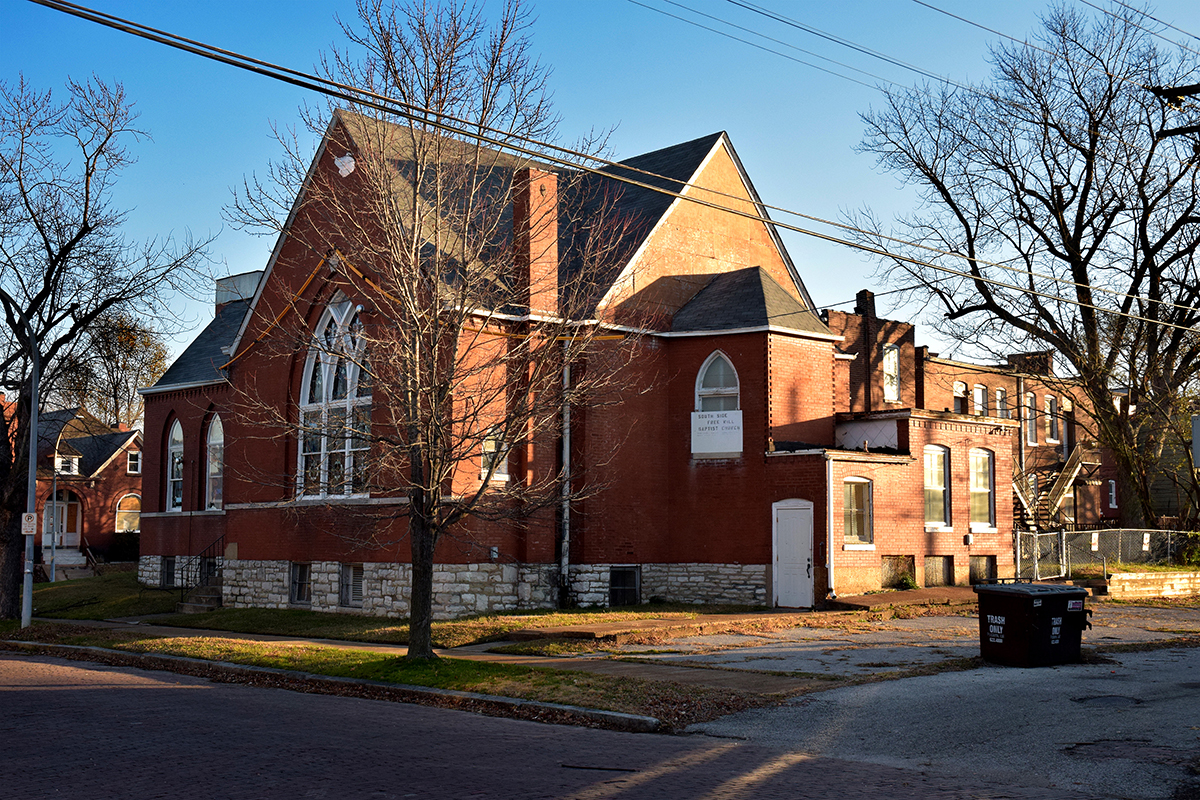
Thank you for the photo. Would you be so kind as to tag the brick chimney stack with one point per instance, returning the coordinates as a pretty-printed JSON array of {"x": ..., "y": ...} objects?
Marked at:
[{"x": 535, "y": 239}]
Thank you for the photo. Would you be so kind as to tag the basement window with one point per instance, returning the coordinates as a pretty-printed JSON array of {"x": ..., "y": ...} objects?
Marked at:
[
  {"x": 301, "y": 584},
  {"x": 624, "y": 586},
  {"x": 350, "y": 590}
]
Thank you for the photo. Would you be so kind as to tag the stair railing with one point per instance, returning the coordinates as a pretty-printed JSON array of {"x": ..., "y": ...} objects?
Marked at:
[{"x": 202, "y": 569}]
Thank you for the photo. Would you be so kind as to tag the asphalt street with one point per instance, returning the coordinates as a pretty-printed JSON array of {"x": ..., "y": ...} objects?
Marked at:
[{"x": 85, "y": 730}]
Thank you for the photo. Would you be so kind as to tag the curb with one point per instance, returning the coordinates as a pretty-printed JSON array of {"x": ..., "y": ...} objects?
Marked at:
[{"x": 494, "y": 705}]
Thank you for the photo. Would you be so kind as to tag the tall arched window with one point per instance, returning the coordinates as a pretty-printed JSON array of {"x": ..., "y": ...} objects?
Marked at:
[
  {"x": 214, "y": 446},
  {"x": 717, "y": 385},
  {"x": 174, "y": 463},
  {"x": 129, "y": 513},
  {"x": 335, "y": 408}
]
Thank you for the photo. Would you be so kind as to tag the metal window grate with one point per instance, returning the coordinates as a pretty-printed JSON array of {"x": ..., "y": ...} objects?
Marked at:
[{"x": 624, "y": 586}]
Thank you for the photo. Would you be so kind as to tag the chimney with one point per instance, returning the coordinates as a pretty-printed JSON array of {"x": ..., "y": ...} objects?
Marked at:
[
  {"x": 865, "y": 304},
  {"x": 236, "y": 287},
  {"x": 535, "y": 239}
]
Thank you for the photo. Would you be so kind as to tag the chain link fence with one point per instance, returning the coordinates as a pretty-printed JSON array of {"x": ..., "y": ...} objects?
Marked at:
[{"x": 1071, "y": 554}]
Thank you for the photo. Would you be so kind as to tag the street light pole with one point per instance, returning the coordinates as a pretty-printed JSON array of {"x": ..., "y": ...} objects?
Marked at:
[{"x": 31, "y": 506}]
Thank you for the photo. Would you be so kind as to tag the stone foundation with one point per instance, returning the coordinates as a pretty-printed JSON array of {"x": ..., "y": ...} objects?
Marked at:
[
  {"x": 744, "y": 584},
  {"x": 463, "y": 590}
]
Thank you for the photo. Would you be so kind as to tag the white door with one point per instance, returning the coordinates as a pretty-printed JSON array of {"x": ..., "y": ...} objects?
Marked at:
[{"x": 792, "y": 573}]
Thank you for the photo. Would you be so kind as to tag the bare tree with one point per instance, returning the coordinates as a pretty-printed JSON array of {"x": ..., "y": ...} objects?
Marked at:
[
  {"x": 1058, "y": 220},
  {"x": 120, "y": 355},
  {"x": 64, "y": 264},
  {"x": 469, "y": 347}
]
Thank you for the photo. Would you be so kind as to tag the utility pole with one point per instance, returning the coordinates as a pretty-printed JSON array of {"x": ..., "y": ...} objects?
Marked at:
[
  {"x": 1173, "y": 96},
  {"x": 31, "y": 503}
]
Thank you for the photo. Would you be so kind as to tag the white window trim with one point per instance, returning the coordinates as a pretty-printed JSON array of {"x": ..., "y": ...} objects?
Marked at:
[
  {"x": 1029, "y": 412},
  {"x": 117, "y": 510},
  {"x": 174, "y": 448},
  {"x": 701, "y": 392},
  {"x": 979, "y": 399},
  {"x": 501, "y": 450},
  {"x": 1002, "y": 402},
  {"x": 990, "y": 525},
  {"x": 132, "y": 458},
  {"x": 869, "y": 512},
  {"x": 891, "y": 373},
  {"x": 341, "y": 314},
  {"x": 209, "y": 475},
  {"x": 1053, "y": 431},
  {"x": 947, "y": 523},
  {"x": 1112, "y": 493}
]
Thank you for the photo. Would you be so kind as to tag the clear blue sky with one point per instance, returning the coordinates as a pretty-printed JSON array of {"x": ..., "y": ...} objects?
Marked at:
[{"x": 657, "y": 79}]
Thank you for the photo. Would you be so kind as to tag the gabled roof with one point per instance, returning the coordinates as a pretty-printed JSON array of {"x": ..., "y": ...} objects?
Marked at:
[
  {"x": 75, "y": 432},
  {"x": 746, "y": 298},
  {"x": 201, "y": 362}
]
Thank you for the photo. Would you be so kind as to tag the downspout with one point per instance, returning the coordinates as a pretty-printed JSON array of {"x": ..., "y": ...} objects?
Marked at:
[
  {"x": 564, "y": 559},
  {"x": 829, "y": 523}
]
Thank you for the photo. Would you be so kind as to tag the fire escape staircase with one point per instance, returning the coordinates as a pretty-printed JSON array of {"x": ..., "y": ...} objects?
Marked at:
[{"x": 1041, "y": 511}]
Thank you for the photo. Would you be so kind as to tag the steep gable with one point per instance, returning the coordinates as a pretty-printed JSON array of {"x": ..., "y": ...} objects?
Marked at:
[{"x": 696, "y": 236}]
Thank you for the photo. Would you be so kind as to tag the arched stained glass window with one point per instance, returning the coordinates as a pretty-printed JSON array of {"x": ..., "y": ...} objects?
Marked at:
[
  {"x": 215, "y": 474},
  {"x": 335, "y": 410}
]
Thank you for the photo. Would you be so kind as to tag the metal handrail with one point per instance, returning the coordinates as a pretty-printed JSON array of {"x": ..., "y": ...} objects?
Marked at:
[{"x": 204, "y": 577}]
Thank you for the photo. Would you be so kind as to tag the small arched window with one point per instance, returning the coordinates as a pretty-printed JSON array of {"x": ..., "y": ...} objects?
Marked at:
[
  {"x": 717, "y": 385},
  {"x": 174, "y": 464},
  {"x": 335, "y": 408},
  {"x": 129, "y": 513},
  {"x": 214, "y": 446}
]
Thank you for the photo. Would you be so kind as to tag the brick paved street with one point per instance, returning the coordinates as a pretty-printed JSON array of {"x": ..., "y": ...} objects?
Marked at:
[{"x": 82, "y": 730}]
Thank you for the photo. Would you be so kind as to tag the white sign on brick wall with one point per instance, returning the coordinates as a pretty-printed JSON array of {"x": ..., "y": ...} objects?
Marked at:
[{"x": 716, "y": 434}]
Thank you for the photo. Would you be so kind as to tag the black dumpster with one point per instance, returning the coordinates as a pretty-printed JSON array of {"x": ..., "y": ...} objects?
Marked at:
[{"x": 1031, "y": 624}]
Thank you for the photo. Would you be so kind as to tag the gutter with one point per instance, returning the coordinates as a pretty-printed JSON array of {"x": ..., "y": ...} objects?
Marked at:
[{"x": 829, "y": 524}]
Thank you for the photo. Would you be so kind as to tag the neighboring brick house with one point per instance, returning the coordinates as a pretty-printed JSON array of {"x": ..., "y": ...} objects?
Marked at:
[
  {"x": 762, "y": 455},
  {"x": 89, "y": 488}
]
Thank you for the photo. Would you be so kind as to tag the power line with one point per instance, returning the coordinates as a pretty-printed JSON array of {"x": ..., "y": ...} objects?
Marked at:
[{"x": 432, "y": 119}]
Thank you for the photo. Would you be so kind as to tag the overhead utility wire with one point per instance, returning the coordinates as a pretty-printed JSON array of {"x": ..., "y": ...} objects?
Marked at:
[
  {"x": 354, "y": 95},
  {"x": 1156, "y": 19},
  {"x": 763, "y": 47},
  {"x": 851, "y": 228},
  {"x": 1151, "y": 31}
]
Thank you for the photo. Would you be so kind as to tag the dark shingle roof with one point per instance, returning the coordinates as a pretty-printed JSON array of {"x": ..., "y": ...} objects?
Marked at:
[
  {"x": 745, "y": 298},
  {"x": 97, "y": 450},
  {"x": 201, "y": 362}
]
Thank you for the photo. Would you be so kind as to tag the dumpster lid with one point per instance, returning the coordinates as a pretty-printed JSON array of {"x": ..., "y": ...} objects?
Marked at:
[{"x": 1031, "y": 589}]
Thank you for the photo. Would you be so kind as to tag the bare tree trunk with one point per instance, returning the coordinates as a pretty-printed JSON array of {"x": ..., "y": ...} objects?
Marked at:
[{"x": 420, "y": 622}]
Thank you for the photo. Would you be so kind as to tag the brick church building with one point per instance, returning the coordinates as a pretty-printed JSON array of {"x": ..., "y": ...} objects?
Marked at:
[{"x": 767, "y": 454}]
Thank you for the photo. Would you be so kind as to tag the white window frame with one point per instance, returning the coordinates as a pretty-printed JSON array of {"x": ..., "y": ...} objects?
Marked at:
[
  {"x": 338, "y": 345},
  {"x": 979, "y": 400},
  {"x": 1029, "y": 412},
  {"x": 891, "y": 373},
  {"x": 960, "y": 398},
  {"x": 976, "y": 489},
  {"x": 867, "y": 511},
  {"x": 1002, "y": 402},
  {"x": 932, "y": 451},
  {"x": 174, "y": 467},
  {"x": 117, "y": 512},
  {"x": 1052, "y": 421},
  {"x": 133, "y": 462},
  {"x": 721, "y": 393},
  {"x": 1112, "y": 494},
  {"x": 214, "y": 458},
  {"x": 494, "y": 453}
]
